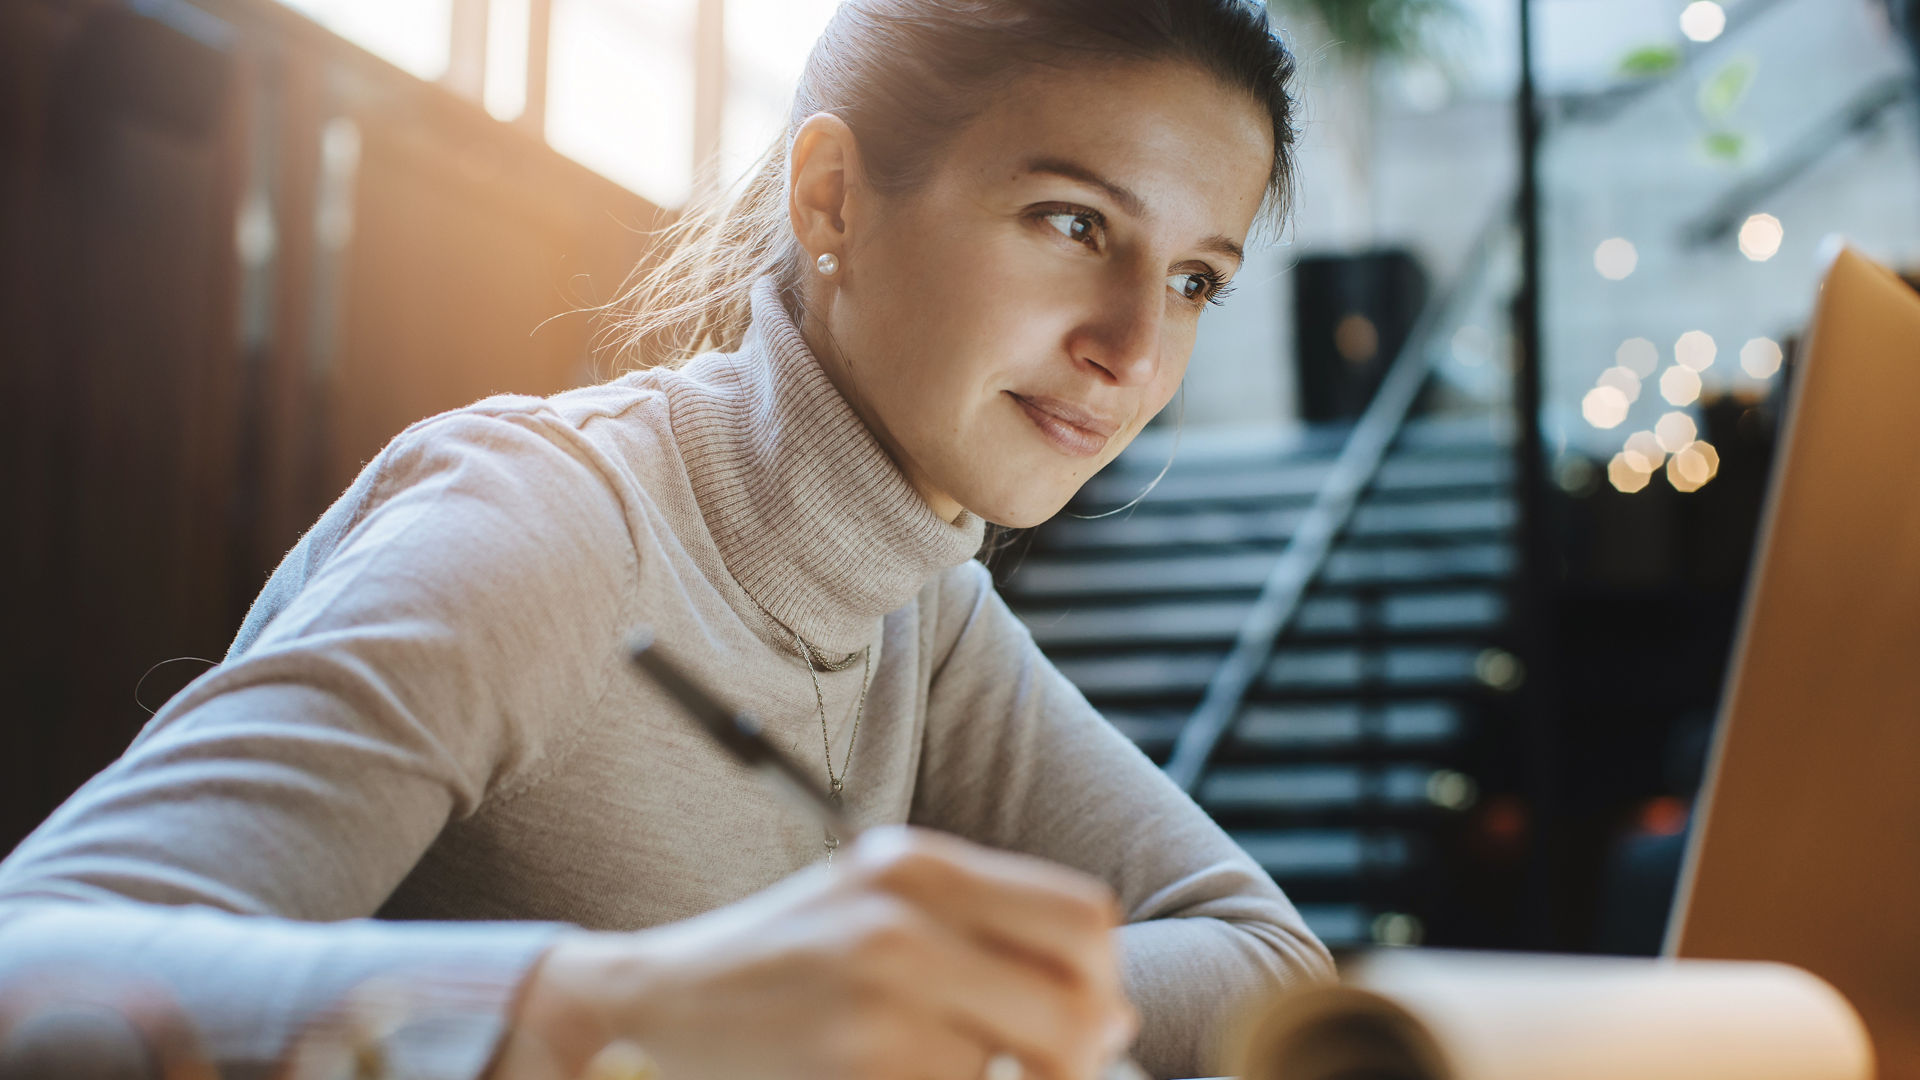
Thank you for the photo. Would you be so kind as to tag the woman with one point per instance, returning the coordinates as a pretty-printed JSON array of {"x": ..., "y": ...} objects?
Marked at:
[{"x": 967, "y": 277}]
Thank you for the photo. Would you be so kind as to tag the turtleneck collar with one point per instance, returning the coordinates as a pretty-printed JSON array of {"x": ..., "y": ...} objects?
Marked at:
[{"x": 810, "y": 514}]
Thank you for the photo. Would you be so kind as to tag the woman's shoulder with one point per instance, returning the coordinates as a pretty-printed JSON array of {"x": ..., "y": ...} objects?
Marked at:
[
  {"x": 957, "y": 602},
  {"x": 608, "y": 443},
  {"x": 510, "y": 475},
  {"x": 601, "y": 420}
]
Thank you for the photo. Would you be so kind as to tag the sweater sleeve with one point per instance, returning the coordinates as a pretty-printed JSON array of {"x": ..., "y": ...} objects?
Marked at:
[
  {"x": 1016, "y": 758},
  {"x": 461, "y": 612}
]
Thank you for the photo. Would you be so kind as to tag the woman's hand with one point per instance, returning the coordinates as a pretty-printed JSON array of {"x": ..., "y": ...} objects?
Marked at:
[{"x": 918, "y": 955}]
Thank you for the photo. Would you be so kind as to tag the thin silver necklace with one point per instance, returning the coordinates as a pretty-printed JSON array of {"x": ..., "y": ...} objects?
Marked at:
[{"x": 836, "y": 782}]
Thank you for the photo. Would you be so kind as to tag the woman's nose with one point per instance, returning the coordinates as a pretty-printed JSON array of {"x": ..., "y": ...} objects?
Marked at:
[{"x": 1122, "y": 336}]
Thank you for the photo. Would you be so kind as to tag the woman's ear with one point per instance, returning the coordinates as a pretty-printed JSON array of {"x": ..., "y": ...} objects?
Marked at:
[{"x": 823, "y": 184}]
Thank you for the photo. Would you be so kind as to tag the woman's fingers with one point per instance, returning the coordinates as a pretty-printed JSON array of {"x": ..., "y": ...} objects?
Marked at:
[
  {"x": 1055, "y": 915},
  {"x": 918, "y": 956},
  {"x": 1001, "y": 1000}
]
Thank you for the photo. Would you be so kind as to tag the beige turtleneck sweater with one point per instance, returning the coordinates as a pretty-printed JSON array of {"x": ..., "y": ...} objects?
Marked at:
[{"x": 427, "y": 716}]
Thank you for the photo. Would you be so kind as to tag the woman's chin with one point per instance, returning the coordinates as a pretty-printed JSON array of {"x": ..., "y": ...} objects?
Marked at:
[{"x": 1020, "y": 509}]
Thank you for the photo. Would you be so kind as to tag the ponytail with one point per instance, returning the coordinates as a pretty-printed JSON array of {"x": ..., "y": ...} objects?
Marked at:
[{"x": 694, "y": 297}]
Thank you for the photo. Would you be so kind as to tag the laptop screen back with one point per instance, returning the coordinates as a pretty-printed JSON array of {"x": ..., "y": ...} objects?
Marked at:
[{"x": 1807, "y": 844}]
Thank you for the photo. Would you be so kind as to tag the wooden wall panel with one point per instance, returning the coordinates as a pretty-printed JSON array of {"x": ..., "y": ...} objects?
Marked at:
[
  {"x": 180, "y": 412},
  {"x": 132, "y": 375}
]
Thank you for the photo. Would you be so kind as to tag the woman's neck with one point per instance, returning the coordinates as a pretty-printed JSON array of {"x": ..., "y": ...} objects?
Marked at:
[{"x": 839, "y": 369}]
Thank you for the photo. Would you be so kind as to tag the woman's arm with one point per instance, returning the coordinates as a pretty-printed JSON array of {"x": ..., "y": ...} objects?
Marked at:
[
  {"x": 1015, "y": 758},
  {"x": 465, "y": 612},
  {"x": 470, "y": 607}
]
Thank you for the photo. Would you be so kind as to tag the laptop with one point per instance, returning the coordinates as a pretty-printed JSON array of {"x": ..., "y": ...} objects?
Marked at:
[{"x": 1807, "y": 844}]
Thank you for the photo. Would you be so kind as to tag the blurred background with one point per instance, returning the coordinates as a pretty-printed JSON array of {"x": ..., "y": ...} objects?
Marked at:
[{"x": 1431, "y": 608}]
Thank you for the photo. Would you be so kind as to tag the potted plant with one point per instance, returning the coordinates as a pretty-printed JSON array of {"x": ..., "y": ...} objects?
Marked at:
[
  {"x": 1354, "y": 307},
  {"x": 1359, "y": 35}
]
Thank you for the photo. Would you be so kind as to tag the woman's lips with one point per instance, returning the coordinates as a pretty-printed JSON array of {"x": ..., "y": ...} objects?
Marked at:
[{"x": 1069, "y": 427}]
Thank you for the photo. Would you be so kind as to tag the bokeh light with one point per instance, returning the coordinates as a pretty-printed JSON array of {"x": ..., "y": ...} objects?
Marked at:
[
  {"x": 1694, "y": 465},
  {"x": 1709, "y": 455},
  {"x": 1396, "y": 929},
  {"x": 1760, "y": 237},
  {"x": 1451, "y": 790},
  {"x": 1644, "y": 452},
  {"x": 1626, "y": 475},
  {"x": 1357, "y": 338},
  {"x": 1616, "y": 258},
  {"x": 1675, "y": 430},
  {"x": 1703, "y": 20},
  {"x": 1680, "y": 386},
  {"x": 1499, "y": 669},
  {"x": 1696, "y": 349},
  {"x": 1604, "y": 407},
  {"x": 1621, "y": 379},
  {"x": 1761, "y": 357},
  {"x": 1472, "y": 346},
  {"x": 1638, "y": 355},
  {"x": 1576, "y": 475}
]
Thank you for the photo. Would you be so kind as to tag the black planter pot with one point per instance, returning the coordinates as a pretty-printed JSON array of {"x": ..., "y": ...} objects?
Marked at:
[{"x": 1352, "y": 315}]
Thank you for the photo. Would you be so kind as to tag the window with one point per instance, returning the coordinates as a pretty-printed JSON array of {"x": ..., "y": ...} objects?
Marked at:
[
  {"x": 620, "y": 91},
  {"x": 767, "y": 46},
  {"x": 620, "y": 73},
  {"x": 412, "y": 34}
]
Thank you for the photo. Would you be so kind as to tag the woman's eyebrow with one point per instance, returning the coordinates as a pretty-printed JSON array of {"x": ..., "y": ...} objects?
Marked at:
[
  {"x": 1133, "y": 204},
  {"x": 1128, "y": 201}
]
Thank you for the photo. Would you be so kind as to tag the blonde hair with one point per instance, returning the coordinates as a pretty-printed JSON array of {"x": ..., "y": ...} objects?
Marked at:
[
  {"x": 905, "y": 75},
  {"x": 692, "y": 298}
]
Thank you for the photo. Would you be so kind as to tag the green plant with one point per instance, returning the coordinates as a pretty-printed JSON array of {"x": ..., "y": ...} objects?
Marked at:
[
  {"x": 1358, "y": 36},
  {"x": 1372, "y": 29},
  {"x": 1651, "y": 61}
]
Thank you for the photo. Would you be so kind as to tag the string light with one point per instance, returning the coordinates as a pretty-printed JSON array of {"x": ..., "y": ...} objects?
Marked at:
[
  {"x": 1761, "y": 357},
  {"x": 1703, "y": 21},
  {"x": 1638, "y": 355},
  {"x": 1680, "y": 386},
  {"x": 1616, "y": 258},
  {"x": 1472, "y": 345},
  {"x": 1695, "y": 349},
  {"x": 1675, "y": 431},
  {"x": 1644, "y": 452},
  {"x": 1626, "y": 475},
  {"x": 1694, "y": 465},
  {"x": 1761, "y": 236},
  {"x": 1621, "y": 379},
  {"x": 1604, "y": 407}
]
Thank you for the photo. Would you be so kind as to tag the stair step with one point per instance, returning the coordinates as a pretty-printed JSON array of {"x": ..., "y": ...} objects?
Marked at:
[
  {"x": 1397, "y": 668},
  {"x": 1339, "y": 925},
  {"x": 1329, "y": 787},
  {"x": 1051, "y": 577},
  {"x": 1292, "y": 480},
  {"x": 1329, "y": 727},
  {"x": 1400, "y": 724},
  {"x": 1183, "y": 621},
  {"x": 1306, "y": 854},
  {"x": 1374, "y": 519}
]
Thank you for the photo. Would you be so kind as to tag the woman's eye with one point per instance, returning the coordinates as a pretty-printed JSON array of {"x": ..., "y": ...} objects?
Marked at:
[
  {"x": 1074, "y": 226},
  {"x": 1190, "y": 286}
]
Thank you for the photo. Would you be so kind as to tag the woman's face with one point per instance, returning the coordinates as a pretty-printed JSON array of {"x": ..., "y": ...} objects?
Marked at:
[{"x": 1010, "y": 325}]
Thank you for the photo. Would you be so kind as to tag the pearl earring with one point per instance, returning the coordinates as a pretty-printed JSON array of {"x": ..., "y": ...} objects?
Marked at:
[{"x": 827, "y": 263}]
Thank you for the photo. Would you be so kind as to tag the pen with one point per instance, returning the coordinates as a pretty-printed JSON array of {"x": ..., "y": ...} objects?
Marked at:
[{"x": 740, "y": 734}]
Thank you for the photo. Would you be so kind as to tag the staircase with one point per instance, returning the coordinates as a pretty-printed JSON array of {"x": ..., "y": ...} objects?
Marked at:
[{"x": 1354, "y": 753}]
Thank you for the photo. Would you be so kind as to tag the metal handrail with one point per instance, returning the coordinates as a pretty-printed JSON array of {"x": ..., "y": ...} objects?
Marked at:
[
  {"x": 1857, "y": 116},
  {"x": 1307, "y": 549}
]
